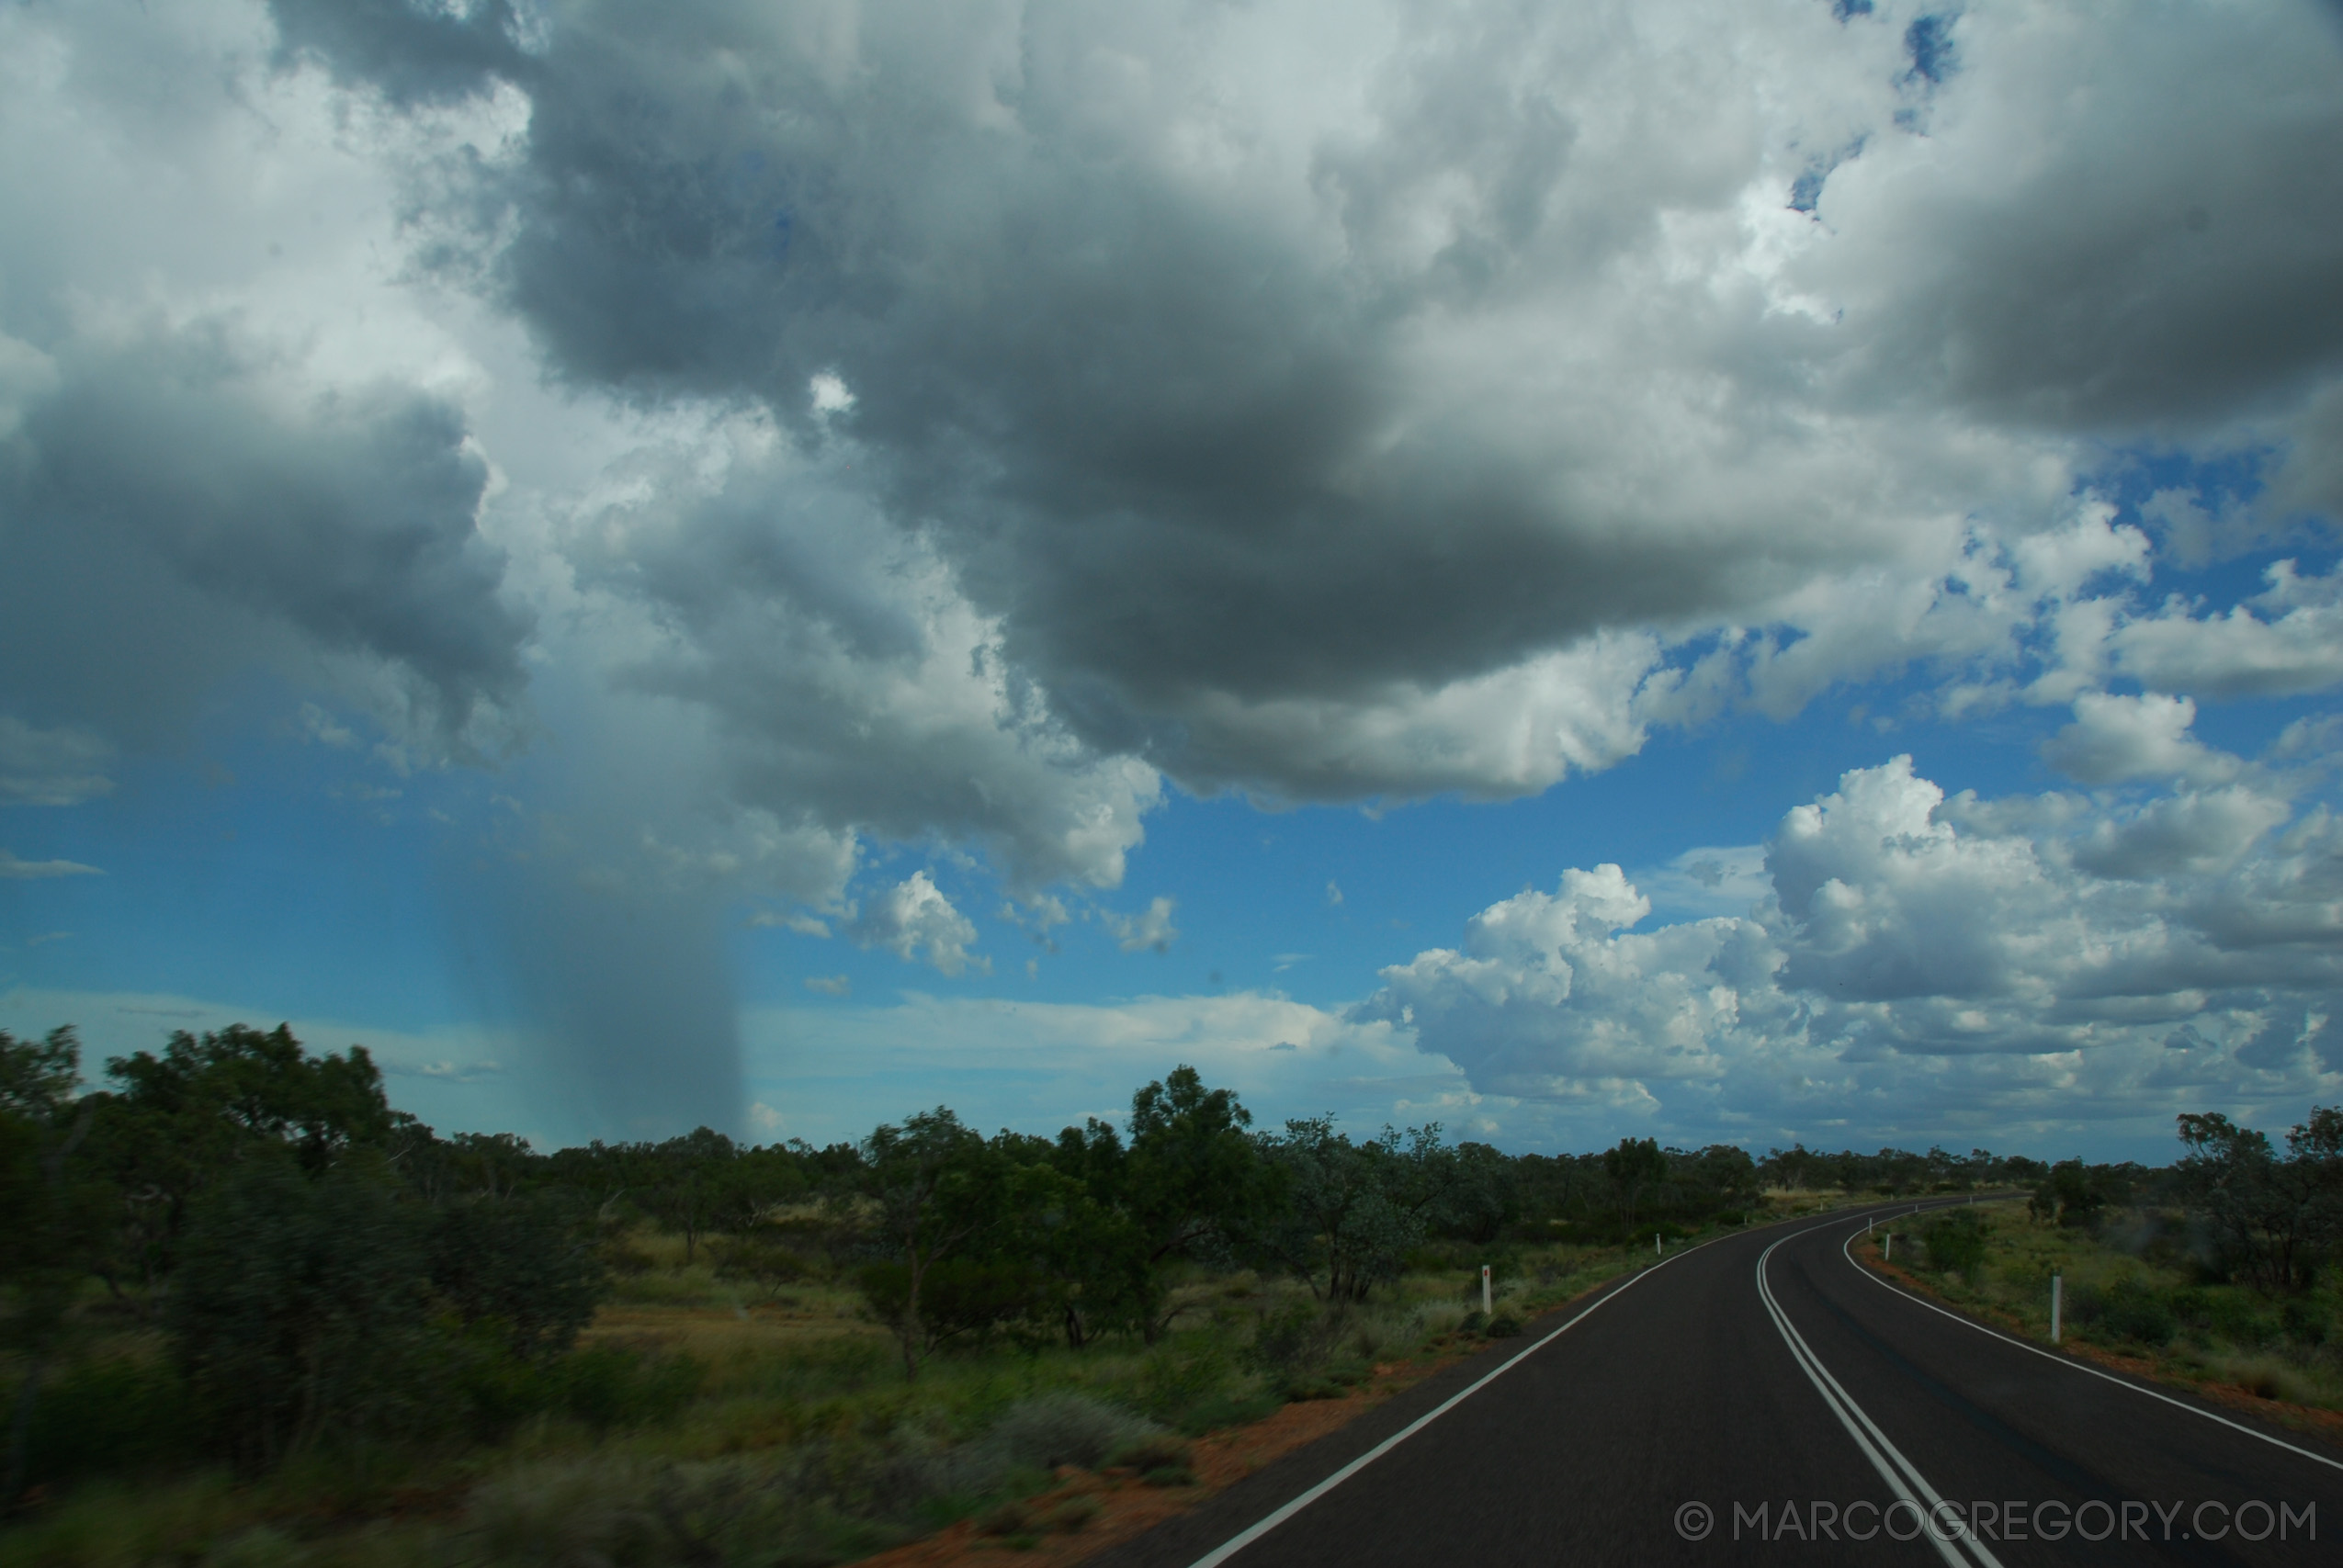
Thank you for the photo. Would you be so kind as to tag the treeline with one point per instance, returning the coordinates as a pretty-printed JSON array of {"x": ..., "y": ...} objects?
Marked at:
[{"x": 323, "y": 1265}]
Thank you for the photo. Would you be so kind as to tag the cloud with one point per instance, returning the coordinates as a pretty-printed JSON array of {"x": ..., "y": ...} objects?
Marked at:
[
  {"x": 2117, "y": 738},
  {"x": 1710, "y": 879},
  {"x": 452, "y": 1072},
  {"x": 50, "y": 767},
  {"x": 864, "y": 428},
  {"x": 2287, "y": 639},
  {"x": 912, "y": 916},
  {"x": 795, "y": 920},
  {"x": 829, "y": 985},
  {"x": 13, "y": 869},
  {"x": 1920, "y": 964},
  {"x": 1424, "y": 429},
  {"x": 182, "y": 510},
  {"x": 1148, "y": 930},
  {"x": 1038, "y": 1066},
  {"x": 850, "y": 681}
]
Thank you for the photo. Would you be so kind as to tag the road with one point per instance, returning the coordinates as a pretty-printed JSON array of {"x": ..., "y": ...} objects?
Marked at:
[{"x": 1805, "y": 1410}]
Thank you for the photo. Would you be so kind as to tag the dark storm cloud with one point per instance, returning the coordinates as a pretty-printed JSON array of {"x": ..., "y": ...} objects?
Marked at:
[
  {"x": 173, "y": 517},
  {"x": 1222, "y": 397},
  {"x": 412, "y": 52},
  {"x": 1159, "y": 428},
  {"x": 2158, "y": 252}
]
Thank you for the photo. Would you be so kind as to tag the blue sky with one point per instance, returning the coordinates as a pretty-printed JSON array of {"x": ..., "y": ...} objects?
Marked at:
[{"x": 1313, "y": 541}]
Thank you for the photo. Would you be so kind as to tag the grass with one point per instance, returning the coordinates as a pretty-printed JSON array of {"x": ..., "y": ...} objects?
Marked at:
[
  {"x": 788, "y": 1435},
  {"x": 2137, "y": 1288}
]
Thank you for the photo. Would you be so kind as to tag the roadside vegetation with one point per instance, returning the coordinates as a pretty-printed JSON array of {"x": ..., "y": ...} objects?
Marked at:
[
  {"x": 2218, "y": 1271},
  {"x": 252, "y": 1314}
]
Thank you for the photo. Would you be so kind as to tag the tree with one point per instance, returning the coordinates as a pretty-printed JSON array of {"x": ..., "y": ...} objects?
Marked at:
[
  {"x": 54, "y": 1214},
  {"x": 303, "y": 1307},
  {"x": 1349, "y": 1211},
  {"x": 1192, "y": 1181},
  {"x": 936, "y": 1187},
  {"x": 2275, "y": 1216},
  {"x": 1636, "y": 1169},
  {"x": 1482, "y": 1198},
  {"x": 176, "y": 1123},
  {"x": 522, "y": 1267}
]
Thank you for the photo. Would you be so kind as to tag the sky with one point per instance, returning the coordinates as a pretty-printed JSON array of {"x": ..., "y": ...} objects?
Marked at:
[{"x": 1747, "y": 570}]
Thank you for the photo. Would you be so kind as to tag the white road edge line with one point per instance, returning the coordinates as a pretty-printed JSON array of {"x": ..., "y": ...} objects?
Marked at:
[
  {"x": 1892, "y": 1290},
  {"x": 1873, "y": 1443},
  {"x": 1261, "y": 1526}
]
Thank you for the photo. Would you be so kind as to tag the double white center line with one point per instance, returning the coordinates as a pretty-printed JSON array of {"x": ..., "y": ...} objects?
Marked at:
[{"x": 1943, "y": 1524}]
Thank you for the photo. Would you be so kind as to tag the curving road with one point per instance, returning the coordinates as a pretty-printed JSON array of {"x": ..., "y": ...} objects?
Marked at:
[{"x": 1764, "y": 1398}]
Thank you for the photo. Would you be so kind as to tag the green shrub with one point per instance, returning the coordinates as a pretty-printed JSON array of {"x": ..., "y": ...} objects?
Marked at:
[
  {"x": 1957, "y": 1243},
  {"x": 1228, "y": 1407},
  {"x": 758, "y": 1259},
  {"x": 605, "y": 1386},
  {"x": 1051, "y": 1429},
  {"x": 303, "y": 1308},
  {"x": 1071, "y": 1516},
  {"x": 111, "y": 1416},
  {"x": 1175, "y": 1380},
  {"x": 958, "y": 1297},
  {"x": 523, "y": 1265},
  {"x": 2130, "y": 1311},
  {"x": 1504, "y": 1326},
  {"x": 1291, "y": 1336},
  {"x": 1156, "y": 1450}
]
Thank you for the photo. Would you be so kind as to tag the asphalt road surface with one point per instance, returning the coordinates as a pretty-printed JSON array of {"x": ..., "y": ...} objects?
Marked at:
[{"x": 1764, "y": 1398}]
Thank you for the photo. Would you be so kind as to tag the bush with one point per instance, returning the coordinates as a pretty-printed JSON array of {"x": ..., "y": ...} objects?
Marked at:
[
  {"x": 1156, "y": 1450},
  {"x": 1177, "y": 1382},
  {"x": 1051, "y": 1429},
  {"x": 1504, "y": 1326},
  {"x": 2129, "y": 1311},
  {"x": 606, "y": 1387},
  {"x": 758, "y": 1259},
  {"x": 111, "y": 1416},
  {"x": 303, "y": 1308},
  {"x": 958, "y": 1297},
  {"x": 2222, "y": 1312},
  {"x": 523, "y": 1265},
  {"x": 1291, "y": 1336},
  {"x": 1957, "y": 1243}
]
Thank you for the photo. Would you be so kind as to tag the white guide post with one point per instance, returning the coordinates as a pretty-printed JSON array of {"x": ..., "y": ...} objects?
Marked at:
[
  {"x": 1654, "y": 1244},
  {"x": 1888, "y": 1253},
  {"x": 2057, "y": 1282},
  {"x": 1486, "y": 1300}
]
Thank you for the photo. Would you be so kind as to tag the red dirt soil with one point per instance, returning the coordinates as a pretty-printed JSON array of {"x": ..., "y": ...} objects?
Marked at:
[{"x": 1127, "y": 1506}]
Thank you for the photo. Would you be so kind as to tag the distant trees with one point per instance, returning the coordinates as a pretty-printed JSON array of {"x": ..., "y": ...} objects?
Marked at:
[{"x": 2074, "y": 1195}]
